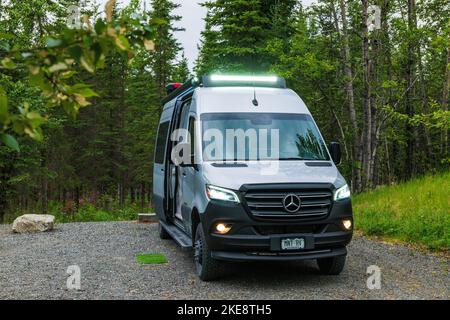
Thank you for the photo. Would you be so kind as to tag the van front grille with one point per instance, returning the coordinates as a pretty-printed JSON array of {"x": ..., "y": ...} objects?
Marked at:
[{"x": 315, "y": 202}]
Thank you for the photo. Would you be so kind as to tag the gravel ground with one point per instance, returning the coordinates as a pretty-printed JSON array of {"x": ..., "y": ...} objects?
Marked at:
[{"x": 33, "y": 266}]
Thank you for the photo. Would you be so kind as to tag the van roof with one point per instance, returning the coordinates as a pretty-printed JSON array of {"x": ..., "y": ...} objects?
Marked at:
[
  {"x": 220, "y": 80},
  {"x": 239, "y": 99}
]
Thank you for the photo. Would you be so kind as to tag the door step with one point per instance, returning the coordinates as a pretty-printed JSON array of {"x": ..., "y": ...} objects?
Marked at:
[{"x": 179, "y": 236}]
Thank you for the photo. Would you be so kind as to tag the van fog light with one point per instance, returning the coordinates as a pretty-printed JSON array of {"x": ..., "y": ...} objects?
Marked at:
[
  {"x": 222, "y": 228},
  {"x": 347, "y": 223}
]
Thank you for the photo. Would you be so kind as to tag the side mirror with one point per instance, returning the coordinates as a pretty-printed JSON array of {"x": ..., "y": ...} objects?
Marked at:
[{"x": 335, "y": 151}]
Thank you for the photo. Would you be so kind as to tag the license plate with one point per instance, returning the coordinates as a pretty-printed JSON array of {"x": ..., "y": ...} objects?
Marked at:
[{"x": 292, "y": 243}]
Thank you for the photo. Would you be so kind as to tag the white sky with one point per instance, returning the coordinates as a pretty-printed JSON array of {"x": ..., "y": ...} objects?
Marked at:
[{"x": 192, "y": 20}]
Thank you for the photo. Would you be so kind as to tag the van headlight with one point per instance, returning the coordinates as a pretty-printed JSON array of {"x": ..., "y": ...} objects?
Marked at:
[
  {"x": 342, "y": 193},
  {"x": 218, "y": 193}
]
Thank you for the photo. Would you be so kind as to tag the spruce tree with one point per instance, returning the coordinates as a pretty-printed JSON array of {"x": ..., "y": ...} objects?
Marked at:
[
  {"x": 181, "y": 71},
  {"x": 238, "y": 32},
  {"x": 166, "y": 45}
]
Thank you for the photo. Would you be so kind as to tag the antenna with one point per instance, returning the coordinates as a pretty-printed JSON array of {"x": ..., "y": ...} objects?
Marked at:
[{"x": 254, "y": 101}]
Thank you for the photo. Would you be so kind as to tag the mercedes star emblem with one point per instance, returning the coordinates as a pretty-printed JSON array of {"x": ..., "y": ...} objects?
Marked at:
[{"x": 291, "y": 203}]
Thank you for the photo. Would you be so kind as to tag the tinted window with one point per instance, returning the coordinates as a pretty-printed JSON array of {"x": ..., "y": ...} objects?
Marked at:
[
  {"x": 185, "y": 115},
  {"x": 161, "y": 142},
  {"x": 298, "y": 137}
]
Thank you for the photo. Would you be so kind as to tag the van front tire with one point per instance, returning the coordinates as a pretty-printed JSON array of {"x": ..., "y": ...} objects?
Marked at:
[
  {"x": 207, "y": 268},
  {"x": 331, "y": 266}
]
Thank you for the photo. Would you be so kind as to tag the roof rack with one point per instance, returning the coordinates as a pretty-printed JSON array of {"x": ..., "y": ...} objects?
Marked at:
[{"x": 219, "y": 80}]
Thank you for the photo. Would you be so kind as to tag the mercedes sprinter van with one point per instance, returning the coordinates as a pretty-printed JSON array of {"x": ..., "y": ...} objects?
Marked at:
[{"x": 242, "y": 173}]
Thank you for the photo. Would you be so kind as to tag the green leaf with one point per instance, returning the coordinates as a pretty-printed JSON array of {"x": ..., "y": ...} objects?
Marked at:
[
  {"x": 35, "y": 119},
  {"x": 100, "y": 26},
  {"x": 86, "y": 63},
  {"x": 3, "y": 105},
  {"x": 57, "y": 67},
  {"x": 6, "y": 35},
  {"x": 10, "y": 141},
  {"x": 4, "y": 45},
  {"x": 158, "y": 21},
  {"x": 34, "y": 133},
  {"x": 40, "y": 81},
  {"x": 18, "y": 127},
  {"x": 76, "y": 52},
  {"x": 97, "y": 49},
  {"x": 67, "y": 74},
  {"x": 88, "y": 41},
  {"x": 68, "y": 35},
  {"x": 8, "y": 63},
  {"x": 83, "y": 90},
  {"x": 122, "y": 42}
]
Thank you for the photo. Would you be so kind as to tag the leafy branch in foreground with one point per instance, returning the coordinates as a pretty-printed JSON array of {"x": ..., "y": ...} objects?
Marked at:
[{"x": 52, "y": 67}]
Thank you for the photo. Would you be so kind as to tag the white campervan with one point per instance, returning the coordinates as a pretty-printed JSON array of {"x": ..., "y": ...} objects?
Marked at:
[{"x": 242, "y": 173}]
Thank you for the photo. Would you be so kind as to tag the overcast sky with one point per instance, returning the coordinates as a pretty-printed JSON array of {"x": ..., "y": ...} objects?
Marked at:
[{"x": 192, "y": 20}]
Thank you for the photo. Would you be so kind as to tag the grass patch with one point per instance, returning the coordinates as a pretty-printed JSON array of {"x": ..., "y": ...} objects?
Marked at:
[
  {"x": 86, "y": 213},
  {"x": 415, "y": 212},
  {"x": 151, "y": 258}
]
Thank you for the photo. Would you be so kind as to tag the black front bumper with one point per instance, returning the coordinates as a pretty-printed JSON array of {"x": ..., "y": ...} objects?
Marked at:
[
  {"x": 298, "y": 256},
  {"x": 251, "y": 239}
]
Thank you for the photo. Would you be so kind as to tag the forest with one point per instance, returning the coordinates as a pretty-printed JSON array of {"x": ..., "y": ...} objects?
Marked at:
[{"x": 375, "y": 75}]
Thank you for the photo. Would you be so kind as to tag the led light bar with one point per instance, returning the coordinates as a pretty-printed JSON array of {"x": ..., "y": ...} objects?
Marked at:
[
  {"x": 219, "y": 77},
  {"x": 222, "y": 80}
]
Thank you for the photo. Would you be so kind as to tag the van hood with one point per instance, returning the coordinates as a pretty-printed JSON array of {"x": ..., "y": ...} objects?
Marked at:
[{"x": 233, "y": 176}]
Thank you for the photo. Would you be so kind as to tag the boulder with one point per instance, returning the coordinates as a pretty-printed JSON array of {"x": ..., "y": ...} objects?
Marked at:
[
  {"x": 147, "y": 217},
  {"x": 33, "y": 223}
]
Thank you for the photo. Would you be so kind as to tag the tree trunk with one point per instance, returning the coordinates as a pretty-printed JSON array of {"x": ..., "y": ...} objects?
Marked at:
[
  {"x": 149, "y": 196},
  {"x": 374, "y": 100},
  {"x": 44, "y": 184},
  {"x": 348, "y": 71},
  {"x": 367, "y": 110},
  {"x": 121, "y": 195},
  {"x": 445, "y": 94},
  {"x": 425, "y": 109},
  {"x": 132, "y": 195},
  {"x": 6, "y": 171},
  {"x": 410, "y": 92},
  {"x": 142, "y": 195},
  {"x": 77, "y": 202},
  {"x": 389, "y": 95}
]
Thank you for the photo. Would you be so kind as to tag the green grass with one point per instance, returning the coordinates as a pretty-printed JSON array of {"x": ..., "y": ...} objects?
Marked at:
[
  {"x": 151, "y": 258},
  {"x": 86, "y": 213},
  {"x": 415, "y": 212}
]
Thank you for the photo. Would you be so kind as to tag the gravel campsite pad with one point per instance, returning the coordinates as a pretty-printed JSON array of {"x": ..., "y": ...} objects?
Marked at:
[{"x": 34, "y": 266}]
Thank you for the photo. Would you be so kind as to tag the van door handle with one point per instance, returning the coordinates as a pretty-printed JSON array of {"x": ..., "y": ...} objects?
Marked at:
[
  {"x": 162, "y": 170},
  {"x": 184, "y": 174}
]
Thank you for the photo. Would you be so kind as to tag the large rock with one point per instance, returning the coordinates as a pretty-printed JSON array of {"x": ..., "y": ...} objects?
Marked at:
[{"x": 33, "y": 223}]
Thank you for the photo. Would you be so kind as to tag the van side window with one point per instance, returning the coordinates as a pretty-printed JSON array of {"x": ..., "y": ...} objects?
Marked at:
[
  {"x": 161, "y": 142},
  {"x": 184, "y": 115}
]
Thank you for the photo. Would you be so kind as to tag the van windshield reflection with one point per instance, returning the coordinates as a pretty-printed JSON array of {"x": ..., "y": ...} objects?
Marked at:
[{"x": 261, "y": 136}]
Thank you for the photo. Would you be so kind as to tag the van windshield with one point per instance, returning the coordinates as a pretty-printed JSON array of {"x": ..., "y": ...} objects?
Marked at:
[{"x": 259, "y": 136}]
